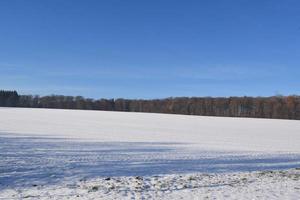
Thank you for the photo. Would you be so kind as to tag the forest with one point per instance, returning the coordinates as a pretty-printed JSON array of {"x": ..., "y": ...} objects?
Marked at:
[{"x": 277, "y": 107}]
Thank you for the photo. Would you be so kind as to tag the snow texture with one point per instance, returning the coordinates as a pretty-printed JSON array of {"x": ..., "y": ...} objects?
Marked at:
[{"x": 57, "y": 154}]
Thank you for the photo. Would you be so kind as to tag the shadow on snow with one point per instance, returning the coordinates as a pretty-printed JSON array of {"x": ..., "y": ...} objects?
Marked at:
[{"x": 37, "y": 160}]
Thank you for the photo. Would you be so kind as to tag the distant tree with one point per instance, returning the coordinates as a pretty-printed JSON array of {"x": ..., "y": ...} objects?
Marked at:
[{"x": 9, "y": 98}]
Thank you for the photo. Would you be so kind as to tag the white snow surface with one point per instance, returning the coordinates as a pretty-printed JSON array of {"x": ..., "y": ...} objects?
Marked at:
[
  {"x": 207, "y": 132},
  {"x": 68, "y": 154}
]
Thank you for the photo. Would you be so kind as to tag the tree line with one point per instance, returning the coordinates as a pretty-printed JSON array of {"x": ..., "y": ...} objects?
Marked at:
[{"x": 280, "y": 107}]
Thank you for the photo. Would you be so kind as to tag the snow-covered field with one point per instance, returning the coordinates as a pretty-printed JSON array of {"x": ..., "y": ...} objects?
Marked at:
[{"x": 57, "y": 154}]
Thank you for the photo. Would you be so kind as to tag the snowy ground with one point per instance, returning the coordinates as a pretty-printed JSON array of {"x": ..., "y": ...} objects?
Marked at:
[
  {"x": 56, "y": 154},
  {"x": 251, "y": 185}
]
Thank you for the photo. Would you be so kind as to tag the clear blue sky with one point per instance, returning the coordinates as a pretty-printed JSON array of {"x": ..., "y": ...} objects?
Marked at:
[{"x": 150, "y": 49}]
